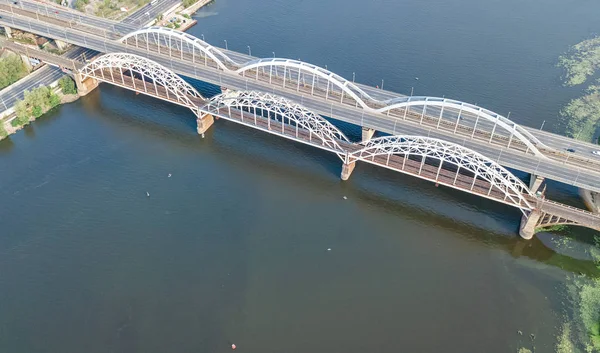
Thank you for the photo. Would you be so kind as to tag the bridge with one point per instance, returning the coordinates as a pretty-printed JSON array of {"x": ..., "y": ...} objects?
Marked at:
[{"x": 448, "y": 142}]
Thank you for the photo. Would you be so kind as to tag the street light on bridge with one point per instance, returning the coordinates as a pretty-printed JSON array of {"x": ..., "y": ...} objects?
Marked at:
[
  {"x": 249, "y": 51},
  {"x": 225, "y": 40},
  {"x": 203, "y": 37},
  {"x": 273, "y": 55}
]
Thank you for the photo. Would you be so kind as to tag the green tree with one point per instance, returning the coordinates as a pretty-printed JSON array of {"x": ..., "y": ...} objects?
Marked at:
[
  {"x": 3, "y": 132},
  {"x": 11, "y": 70},
  {"x": 67, "y": 85},
  {"x": 36, "y": 111}
]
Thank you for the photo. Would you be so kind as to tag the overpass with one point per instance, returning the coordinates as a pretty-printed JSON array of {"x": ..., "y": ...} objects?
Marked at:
[{"x": 441, "y": 161}]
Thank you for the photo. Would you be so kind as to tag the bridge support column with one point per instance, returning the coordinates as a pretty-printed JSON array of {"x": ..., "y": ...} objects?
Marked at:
[
  {"x": 204, "y": 122},
  {"x": 347, "y": 169},
  {"x": 591, "y": 200},
  {"x": 367, "y": 134},
  {"x": 535, "y": 182},
  {"x": 26, "y": 62},
  {"x": 8, "y": 32},
  {"x": 84, "y": 85},
  {"x": 60, "y": 44},
  {"x": 528, "y": 224}
]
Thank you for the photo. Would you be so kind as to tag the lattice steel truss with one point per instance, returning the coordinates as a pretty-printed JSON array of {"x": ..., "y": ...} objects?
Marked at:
[
  {"x": 463, "y": 158},
  {"x": 145, "y": 69},
  {"x": 285, "y": 111},
  {"x": 300, "y": 73}
]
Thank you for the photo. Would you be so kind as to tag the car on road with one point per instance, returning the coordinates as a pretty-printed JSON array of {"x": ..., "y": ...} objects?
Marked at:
[
  {"x": 572, "y": 150},
  {"x": 597, "y": 153}
]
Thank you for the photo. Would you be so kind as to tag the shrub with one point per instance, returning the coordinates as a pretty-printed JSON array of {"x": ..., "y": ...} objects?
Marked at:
[{"x": 67, "y": 85}]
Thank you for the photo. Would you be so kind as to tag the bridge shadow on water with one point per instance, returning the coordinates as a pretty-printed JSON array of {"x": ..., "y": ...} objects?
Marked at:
[{"x": 473, "y": 218}]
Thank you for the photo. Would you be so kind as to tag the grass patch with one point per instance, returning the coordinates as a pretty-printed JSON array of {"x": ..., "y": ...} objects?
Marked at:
[{"x": 554, "y": 228}]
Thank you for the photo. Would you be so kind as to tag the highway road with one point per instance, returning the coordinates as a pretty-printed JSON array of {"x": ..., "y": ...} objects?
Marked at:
[
  {"x": 44, "y": 76},
  {"x": 566, "y": 173},
  {"x": 47, "y": 74}
]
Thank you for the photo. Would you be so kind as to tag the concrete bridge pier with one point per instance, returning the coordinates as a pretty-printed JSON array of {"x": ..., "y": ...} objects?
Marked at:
[
  {"x": 204, "y": 122},
  {"x": 84, "y": 84},
  {"x": 535, "y": 182},
  {"x": 529, "y": 223},
  {"x": 591, "y": 200},
  {"x": 367, "y": 134},
  {"x": 347, "y": 169},
  {"x": 26, "y": 62},
  {"x": 60, "y": 44},
  {"x": 8, "y": 31}
]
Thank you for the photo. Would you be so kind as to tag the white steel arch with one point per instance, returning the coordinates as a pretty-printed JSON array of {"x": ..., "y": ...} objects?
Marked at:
[
  {"x": 348, "y": 87},
  {"x": 152, "y": 35},
  {"x": 147, "y": 68},
  {"x": 361, "y": 97},
  {"x": 518, "y": 131},
  {"x": 294, "y": 113},
  {"x": 446, "y": 152}
]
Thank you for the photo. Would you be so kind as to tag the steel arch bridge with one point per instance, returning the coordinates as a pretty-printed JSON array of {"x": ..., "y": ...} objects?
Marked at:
[
  {"x": 514, "y": 191},
  {"x": 284, "y": 111},
  {"x": 162, "y": 82},
  {"x": 297, "y": 74}
]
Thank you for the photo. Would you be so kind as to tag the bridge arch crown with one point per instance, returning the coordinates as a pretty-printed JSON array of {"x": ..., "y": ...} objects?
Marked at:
[
  {"x": 156, "y": 35},
  {"x": 461, "y": 109},
  {"x": 146, "y": 68},
  {"x": 515, "y": 191},
  {"x": 284, "y": 109}
]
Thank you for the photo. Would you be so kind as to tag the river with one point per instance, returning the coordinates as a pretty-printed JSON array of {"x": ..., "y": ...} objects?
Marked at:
[{"x": 249, "y": 239}]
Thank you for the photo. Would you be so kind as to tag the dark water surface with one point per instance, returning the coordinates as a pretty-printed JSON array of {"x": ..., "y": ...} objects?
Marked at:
[{"x": 232, "y": 248}]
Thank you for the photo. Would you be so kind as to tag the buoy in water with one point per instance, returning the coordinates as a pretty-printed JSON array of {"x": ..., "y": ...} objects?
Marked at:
[
  {"x": 147, "y": 194},
  {"x": 169, "y": 175},
  {"x": 233, "y": 346}
]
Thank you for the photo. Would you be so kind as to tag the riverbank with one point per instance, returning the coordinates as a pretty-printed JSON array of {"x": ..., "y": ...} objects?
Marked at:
[
  {"x": 180, "y": 17},
  {"x": 12, "y": 122}
]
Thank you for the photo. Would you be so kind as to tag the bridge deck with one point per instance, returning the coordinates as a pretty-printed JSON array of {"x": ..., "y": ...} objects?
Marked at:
[{"x": 584, "y": 176}]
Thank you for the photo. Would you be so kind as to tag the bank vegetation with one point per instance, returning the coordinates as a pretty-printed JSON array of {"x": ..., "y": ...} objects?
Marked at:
[
  {"x": 12, "y": 69},
  {"x": 37, "y": 102},
  {"x": 581, "y": 116},
  {"x": 581, "y": 331}
]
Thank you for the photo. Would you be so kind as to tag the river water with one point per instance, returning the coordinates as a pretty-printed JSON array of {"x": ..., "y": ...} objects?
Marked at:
[{"x": 248, "y": 239}]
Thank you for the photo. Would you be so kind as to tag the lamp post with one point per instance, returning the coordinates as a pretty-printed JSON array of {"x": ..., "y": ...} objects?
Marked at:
[
  {"x": 249, "y": 51},
  {"x": 225, "y": 40},
  {"x": 381, "y": 83},
  {"x": 273, "y": 55},
  {"x": 203, "y": 37},
  {"x": 353, "y": 76}
]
